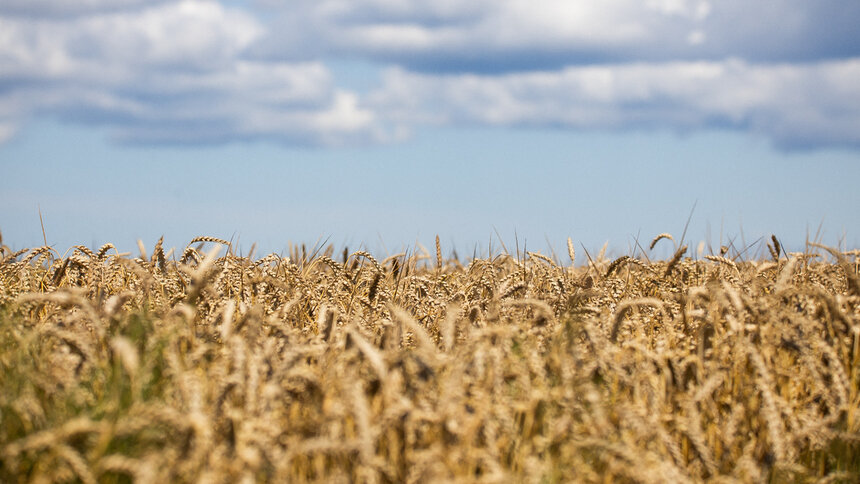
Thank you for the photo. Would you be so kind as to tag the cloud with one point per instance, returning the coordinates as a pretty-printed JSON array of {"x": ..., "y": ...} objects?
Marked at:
[
  {"x": 55, "y": 8},
  {"x": 198, "y": 71},
  {"x": 118, "y": 46},
  {"x": 785, "y": 70},
  {"x": 517, "y": 35},
  {"x": 796, "y": 106},
  {"x": 172, "y": 73},
  {"x": 473, "y": 36},
  {"x": 7, "y": 131}
]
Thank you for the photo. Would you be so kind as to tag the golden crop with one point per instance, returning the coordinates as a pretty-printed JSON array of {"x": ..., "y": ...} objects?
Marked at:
[{"x": 200, "y": 368}]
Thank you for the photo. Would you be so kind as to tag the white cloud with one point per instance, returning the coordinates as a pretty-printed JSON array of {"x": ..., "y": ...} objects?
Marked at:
[
  {"x": 7, "y": 131},
  {"x": 794, "y": 105},
  {"x": 173, "y": 72},
  {"x": 431, "y": 34},
  {"x": 682, "y": 8},
  {"x": 186, "y": 71},
  {"x": 696, "y": 37},
  {"x": 615, "y": 64},
  {"x": 189, "y": 35}
]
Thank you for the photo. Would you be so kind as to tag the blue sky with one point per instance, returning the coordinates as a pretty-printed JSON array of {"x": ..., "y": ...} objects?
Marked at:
[{"x": 385, "y": 122}]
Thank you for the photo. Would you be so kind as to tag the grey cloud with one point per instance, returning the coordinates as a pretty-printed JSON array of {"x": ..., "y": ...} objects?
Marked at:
[
  {"x": 796, "y": 106},
  {"x": 510, "y": 35},
  {"x": 783, "y": 30},
  {"x": 64, "y": 9}
]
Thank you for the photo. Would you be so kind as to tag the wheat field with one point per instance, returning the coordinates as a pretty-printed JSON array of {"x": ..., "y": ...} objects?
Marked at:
[{"x": 206, "y": 366}]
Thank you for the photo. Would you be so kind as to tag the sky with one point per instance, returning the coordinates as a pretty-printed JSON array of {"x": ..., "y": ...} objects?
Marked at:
[{"x": 380, "y": 124}]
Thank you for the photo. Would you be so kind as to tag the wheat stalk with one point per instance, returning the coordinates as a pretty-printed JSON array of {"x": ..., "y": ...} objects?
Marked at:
[
  {"x": 722, "y": 260},
  {"x": 660, "y": 237}
]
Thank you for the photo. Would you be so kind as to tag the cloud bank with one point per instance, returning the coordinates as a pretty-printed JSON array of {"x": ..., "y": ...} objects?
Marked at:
[
  {"x": 797, "y": 106},
  {"x": 169, "y": 73},
  {"x": 205, "y": 72},
  {"x": 505, "y": 35}
]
